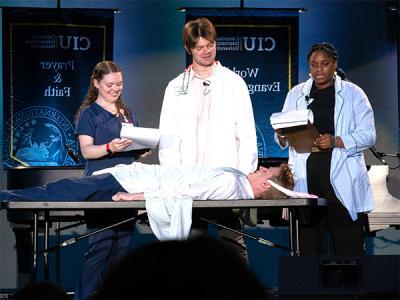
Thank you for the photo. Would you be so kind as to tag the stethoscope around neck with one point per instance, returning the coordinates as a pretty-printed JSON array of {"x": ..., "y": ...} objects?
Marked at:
[
  {"x": 185, "y": 81},
  {"x": 184, "y": 89}
]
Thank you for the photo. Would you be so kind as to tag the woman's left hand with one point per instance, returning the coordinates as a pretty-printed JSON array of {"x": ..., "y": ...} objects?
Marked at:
[
  {"x": 118, "y": 145},
  {"x": 325, "y": 141}
]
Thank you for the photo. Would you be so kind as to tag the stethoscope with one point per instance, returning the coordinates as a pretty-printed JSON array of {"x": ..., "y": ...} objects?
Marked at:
[
  {"x": 185, "y": 81},
  {"x": 184, "y": 89}
]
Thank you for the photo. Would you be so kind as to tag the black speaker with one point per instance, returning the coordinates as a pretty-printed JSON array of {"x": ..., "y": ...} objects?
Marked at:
[{"x": 339, "y": 275}]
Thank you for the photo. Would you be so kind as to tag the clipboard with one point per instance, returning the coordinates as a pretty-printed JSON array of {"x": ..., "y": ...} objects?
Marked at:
[{"x": 302, "y": 137}]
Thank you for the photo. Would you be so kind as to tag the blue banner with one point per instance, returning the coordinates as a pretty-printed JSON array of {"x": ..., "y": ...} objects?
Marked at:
[
  {"x": 48, "y": 57},
  {"x": 261, "y": 46}
]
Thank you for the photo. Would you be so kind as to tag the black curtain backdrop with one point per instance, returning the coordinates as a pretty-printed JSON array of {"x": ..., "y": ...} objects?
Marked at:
[
  {"x": 261, "y": 45},
  {"x": 48, "y": 56}
]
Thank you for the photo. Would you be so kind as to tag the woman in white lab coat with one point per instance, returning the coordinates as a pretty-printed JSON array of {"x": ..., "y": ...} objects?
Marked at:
[{"x": 345, "y": 120}]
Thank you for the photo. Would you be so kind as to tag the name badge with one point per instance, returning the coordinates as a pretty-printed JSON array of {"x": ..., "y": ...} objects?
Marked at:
[{"x": 127, "y": 124}]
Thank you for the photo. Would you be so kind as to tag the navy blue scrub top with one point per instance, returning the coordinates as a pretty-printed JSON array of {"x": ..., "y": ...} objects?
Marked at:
[{"x": 103, "y": 127}]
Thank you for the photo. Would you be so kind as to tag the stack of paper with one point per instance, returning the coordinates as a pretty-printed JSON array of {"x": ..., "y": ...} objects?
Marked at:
[
  {"x": 143, "y": 138},
  {"x": 291, "y": 118}
]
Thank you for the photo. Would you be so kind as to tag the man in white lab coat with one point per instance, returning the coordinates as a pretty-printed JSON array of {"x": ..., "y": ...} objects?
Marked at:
[{"x": 207, "y": 120}]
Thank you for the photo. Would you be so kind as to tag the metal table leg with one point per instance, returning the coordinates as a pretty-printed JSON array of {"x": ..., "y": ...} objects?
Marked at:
[
  {"x": 58, "y": 260},
  {"x": 294, "y": 233},
  {"x": 297, "y": 236},
  {"x": 291, "y": 233},
  {"x": 46, "y": 246},
  {"x": 35, "y": 245}
]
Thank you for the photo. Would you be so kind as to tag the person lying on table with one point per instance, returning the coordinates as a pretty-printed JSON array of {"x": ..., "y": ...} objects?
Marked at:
[{"x": 168, "y": 191}]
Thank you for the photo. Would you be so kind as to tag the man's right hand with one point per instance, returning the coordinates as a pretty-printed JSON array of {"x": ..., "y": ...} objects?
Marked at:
[{"x": 122, "y": 196}]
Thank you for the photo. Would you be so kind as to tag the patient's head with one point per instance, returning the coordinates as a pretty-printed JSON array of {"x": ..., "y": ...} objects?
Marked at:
[
  {"x": 281, "y": 175},
  {"x": 195, "y": 268}
]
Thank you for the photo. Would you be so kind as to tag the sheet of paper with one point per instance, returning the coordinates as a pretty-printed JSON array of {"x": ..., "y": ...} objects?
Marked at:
[
  {"x": 291, "y": 118},
  {"x": 142, "y": 137},
  {"x": 291, "y": 194}
]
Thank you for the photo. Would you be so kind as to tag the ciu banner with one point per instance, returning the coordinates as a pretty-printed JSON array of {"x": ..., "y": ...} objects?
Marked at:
[
  {"x": 261, "y": 46},
  {"x": 48, "y": 56}
]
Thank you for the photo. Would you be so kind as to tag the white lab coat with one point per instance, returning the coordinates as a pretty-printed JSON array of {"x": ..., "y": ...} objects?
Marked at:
[
  {"x": 354, "y": 123},
  {"x": 232, "y": 140}
]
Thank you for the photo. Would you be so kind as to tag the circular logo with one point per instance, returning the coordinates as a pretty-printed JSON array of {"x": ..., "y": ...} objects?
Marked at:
[
  {"x": 261, "y": 144},
  {"x": 36, "y": 136}
]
